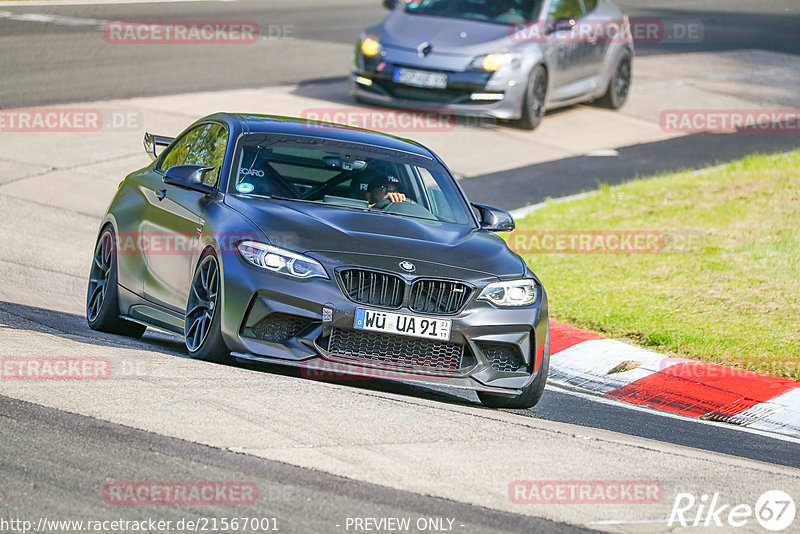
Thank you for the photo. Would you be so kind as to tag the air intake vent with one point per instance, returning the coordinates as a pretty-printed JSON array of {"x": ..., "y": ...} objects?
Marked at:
[
  {"x": 278, "y": 327},
  {"x": 420, "y": 355},
  {"x": 438, "y": 296},
  {"x": 373, "y": 288},
  {"x": 502, "y": 356}
]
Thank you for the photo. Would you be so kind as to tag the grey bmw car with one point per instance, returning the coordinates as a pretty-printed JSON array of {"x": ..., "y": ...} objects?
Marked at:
[
  {"x": 320, "y": 246},
  {"x": 508, "y": 59}
]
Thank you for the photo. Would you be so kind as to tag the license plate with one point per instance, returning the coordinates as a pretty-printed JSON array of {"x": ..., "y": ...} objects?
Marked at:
[
  {"x": 421, "y": 78},
  {"x": 404, "y": 325}
]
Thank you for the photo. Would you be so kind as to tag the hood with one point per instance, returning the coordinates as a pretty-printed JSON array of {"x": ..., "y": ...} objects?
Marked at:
[
  {"x": 378, "y": 240},
  {"x": 447, "y": 36}
]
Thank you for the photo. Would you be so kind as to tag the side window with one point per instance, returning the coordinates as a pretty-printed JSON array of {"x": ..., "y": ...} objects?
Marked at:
[
  {"x": 565, "y": 9},
  {"x": 177, "y": 154},
  {"x": 436, "y": 198},
  {"x": 209, "y": 151}
]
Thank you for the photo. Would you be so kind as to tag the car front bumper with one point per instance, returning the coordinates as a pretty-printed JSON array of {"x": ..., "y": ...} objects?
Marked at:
[
  {"x": 278, "y": 319},
  {"x": 499, "y": 95}
]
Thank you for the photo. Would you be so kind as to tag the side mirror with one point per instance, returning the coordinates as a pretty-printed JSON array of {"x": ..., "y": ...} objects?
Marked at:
[
  {"x": 189, "y": 177},
  {"x": 495, "y": 219},
  {"x": 390, "y": 4}
]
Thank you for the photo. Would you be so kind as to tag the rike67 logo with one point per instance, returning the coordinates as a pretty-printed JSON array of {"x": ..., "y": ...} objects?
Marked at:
[{"x": 774, "y": 510}]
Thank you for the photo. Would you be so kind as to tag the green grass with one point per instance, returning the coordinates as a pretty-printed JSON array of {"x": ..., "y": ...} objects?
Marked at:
[{"x": 730, "y": 296}]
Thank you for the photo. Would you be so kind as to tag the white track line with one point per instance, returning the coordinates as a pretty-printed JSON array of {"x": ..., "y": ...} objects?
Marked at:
[{"x": 59, "y": 20}]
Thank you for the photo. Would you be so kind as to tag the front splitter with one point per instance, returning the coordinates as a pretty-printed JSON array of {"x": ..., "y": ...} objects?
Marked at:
[{"x": 327, "y": 370}]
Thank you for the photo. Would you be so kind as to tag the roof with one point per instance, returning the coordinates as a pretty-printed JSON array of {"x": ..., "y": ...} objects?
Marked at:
[{"x": 254, "y": 123}]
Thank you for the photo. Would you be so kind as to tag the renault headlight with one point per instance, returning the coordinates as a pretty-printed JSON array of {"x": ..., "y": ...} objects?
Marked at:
[
  {"x": 493, "y": 62},
  {"x": 281, "y": 261},
  {"x": 512, "y": 293},
  {"x": 370, "y": 47}
]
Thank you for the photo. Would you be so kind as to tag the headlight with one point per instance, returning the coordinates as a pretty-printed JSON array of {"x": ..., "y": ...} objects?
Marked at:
[
  {"x": 281, "y": 261},
  {"x": 370, "y": 47},
  {"x": 513, "y": 293},
  {"x": 492, "y": 62}
]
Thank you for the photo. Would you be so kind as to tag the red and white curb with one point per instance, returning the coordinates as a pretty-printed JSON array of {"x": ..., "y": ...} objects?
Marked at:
[{"x": 613, "y": 369}]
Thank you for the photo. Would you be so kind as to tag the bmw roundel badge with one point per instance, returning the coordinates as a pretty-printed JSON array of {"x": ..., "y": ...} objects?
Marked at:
[{"x": 408, "y": 266}]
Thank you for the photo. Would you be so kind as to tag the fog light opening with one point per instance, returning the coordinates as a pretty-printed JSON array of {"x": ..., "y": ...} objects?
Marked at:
[{"x": 487, "y": 96}]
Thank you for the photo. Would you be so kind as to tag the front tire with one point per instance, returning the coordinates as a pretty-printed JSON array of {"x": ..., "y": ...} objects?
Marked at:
[
  {"x": 202, "y": 328},
  {"x": 531, "y": 394},
  {"x": 102, "y": 296},
  {"x": 533, "y": 108},
  {"x": 620, "y": 84}
]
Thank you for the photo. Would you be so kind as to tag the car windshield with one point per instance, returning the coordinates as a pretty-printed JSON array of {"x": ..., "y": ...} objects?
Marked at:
[
  {"x": 346, "y": 175},
  {"x": 494, "y": 11}
]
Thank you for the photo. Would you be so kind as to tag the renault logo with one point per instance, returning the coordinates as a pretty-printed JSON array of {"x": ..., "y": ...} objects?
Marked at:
[
  {"x": 424, "y": 49},
  {"x": 408, "y": 266}
]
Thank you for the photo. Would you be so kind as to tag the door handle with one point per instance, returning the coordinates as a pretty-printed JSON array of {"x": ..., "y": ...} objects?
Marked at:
[{"x": 161, "y": 194}]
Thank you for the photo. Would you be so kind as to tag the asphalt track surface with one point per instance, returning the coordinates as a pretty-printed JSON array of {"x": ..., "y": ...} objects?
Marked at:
[
  {"x": 50, "y": 63},
  {"x": 55, "y": 463},
  {"x": 569, "y": 176},
  {"x": 557, "y": 405},
  {"x": 68, "y": 61},
  {"x": 52, "y": 460},
  {"x": 68, "y": 458}
]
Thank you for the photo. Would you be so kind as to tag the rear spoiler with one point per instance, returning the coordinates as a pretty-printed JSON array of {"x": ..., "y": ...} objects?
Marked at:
[{"x": 154, "y": 144}]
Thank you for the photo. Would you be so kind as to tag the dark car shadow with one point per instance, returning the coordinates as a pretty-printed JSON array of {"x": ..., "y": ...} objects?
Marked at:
[
  {"x": 345, "y": 109},
  {"x": 336, "y": 92},
  {"x": 74, "y": 328},
  {"x": 382, "y": 386}
]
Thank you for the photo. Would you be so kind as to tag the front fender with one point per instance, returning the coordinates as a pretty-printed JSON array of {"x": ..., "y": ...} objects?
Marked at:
[{"x": 224, "y": 229}]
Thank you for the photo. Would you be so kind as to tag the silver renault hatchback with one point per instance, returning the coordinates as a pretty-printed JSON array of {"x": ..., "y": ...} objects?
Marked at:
[{"x": 507, "y": 59}]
